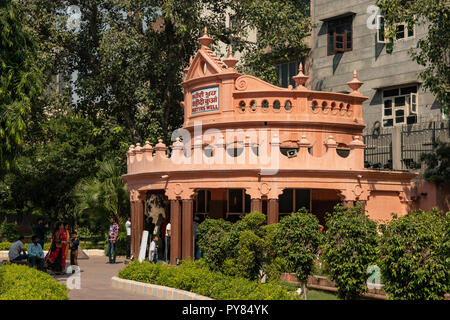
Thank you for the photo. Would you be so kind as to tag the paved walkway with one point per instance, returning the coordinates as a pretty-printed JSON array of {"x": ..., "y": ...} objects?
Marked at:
[{"x": 95, "y": 278}]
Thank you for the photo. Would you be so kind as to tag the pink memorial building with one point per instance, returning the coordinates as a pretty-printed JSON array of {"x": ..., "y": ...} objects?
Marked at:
[{"x": 247, "y": 145}]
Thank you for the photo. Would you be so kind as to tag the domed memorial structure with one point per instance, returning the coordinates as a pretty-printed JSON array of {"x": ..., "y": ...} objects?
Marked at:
[{"x": 247, "y": 145}]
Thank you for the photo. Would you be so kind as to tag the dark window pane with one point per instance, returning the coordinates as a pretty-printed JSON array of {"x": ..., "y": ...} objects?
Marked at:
[
  {"x": 235, "y": 200},
  {"x": 247, "y": 203},
  {"x": 408, "y": 90},
  {"x": 411, "y": 119},
  {"x": 302, "y": 199},
  {"x": 400, "y": 32},
  {"x": 284, "y": 75},
  {"x": 285, "y": 201},
  {"x": 388, "y": 107},
  {"x": 400, "y": 101},
  {"x": 381, "y": 30},
  {"x": 411, "y": 33},
  {"x": 201, "y": 201},
  {"x": 399, "y": 116},
  {"x": 331, "y": 44},
  {"x": 388, "y": 122},
  {"x": 390, "y": 93},
  {"x": 293, "y": 70},
  {"x": 349, "y": 44}
]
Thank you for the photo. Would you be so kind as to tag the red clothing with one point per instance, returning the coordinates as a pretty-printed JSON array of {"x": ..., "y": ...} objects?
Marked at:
[
  {"x": 58, "y": 248},
  {"x": 113, "y": 232}
]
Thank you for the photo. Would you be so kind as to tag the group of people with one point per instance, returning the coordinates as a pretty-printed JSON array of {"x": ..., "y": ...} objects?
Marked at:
[{"x": 62, "y": 242}]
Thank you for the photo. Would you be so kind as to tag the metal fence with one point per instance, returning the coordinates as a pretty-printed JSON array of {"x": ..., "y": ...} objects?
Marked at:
[
  {"x": 419, "y": 139},
  {"x": 378, "y": 152},
  {"x": 414, "y": 140}
]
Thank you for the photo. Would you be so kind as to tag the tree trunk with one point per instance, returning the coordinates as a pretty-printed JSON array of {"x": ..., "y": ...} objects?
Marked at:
[{"x": 304, "y": 291}]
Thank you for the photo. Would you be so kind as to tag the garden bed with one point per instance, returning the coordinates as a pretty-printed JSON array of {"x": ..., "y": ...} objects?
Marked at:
[
  {"x": 19, "y": 282},
  {"x": 196, "y": 277}
]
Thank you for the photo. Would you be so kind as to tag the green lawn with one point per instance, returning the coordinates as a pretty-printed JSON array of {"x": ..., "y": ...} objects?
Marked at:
[
  {"x": 321, "y": 295},
  {"x": 312, "y": 294}
]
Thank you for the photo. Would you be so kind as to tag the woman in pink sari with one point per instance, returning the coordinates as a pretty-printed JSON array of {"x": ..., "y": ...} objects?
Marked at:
[{"x": 56, "y": 256}]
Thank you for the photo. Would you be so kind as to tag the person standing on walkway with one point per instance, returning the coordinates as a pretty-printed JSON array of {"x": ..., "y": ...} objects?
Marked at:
[
  {"x": 74, "y": 243},
  {"x": 168, "y": 235},
  {"x": 112, "y": 238},
  {"x": 128, "y": 227},
  {"x": 153, "y": 252},
  {"x": 40, "y": 230},
  {"x": 56, "y": 256},
  {"x": 35, "y": 253}
]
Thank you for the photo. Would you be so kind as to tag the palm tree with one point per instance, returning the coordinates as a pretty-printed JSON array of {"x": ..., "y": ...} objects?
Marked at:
[{"x": 102, "y": 196}]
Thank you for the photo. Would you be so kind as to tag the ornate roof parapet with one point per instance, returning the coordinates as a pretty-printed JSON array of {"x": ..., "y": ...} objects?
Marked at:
[
  {"x": 161, "y": 149},
  {"x": 304, "y": 142},
  {"x": 148, "y": 150},
  {"x": 230, "y": 61},
  {"x": 331, "y": 143},
  {"x": 356, "y": 143},
  {"x": 205, "y": 40},
  {"x": 177, "y": 149},
  {"x": 138, "y": 152},
  {"x": 355, "y": 84},
  {"x": 300, "y": 78}
]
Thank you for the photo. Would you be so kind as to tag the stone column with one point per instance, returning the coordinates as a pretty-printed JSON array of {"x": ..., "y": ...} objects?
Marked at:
[
  {"x": 256, "y": 205},
  {"x": 133, "y": 228},
  {"x": 139, "y": 221},
  {"x": 188, "y": 229},
  {"x": 175, "y": 221},
  {"x": 272, "y": 211}
]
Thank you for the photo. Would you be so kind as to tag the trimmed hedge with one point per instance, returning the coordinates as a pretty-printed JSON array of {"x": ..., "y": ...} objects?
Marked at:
[
  {"x": 19, "y": 282},
  {"x": 196, "y": 277}
]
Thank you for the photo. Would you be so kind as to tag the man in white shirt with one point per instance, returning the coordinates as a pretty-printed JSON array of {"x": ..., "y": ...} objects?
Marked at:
[
  {"x": 153, "y": 252},
  {"x": 167, "y": 239},
  {"x": 128, "y": 227},
  {"x": 16, "y": 249}
]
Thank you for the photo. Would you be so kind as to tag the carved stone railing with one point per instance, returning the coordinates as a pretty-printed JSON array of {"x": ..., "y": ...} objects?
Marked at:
[{"x": 268, "y": 158}]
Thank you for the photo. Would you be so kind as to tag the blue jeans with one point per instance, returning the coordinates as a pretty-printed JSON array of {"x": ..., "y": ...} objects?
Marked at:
[
  {"x": 35, "y": 260},
  {"x": 21, "y": 257},
  {"x": 108, "y": 251}
]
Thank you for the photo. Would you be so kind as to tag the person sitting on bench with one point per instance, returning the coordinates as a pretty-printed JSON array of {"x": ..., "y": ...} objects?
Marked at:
[
  {"x": 16, "y": 249},
  {"x": 35, "y": 253}
]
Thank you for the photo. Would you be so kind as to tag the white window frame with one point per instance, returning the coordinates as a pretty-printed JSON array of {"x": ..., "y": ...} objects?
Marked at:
[
  {"x": 381, "y": 28},
  {"x": 410, "y": 108}
]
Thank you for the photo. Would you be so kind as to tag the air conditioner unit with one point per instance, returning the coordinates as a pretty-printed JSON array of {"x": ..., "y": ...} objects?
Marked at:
[{"x": 292, "y": 153}]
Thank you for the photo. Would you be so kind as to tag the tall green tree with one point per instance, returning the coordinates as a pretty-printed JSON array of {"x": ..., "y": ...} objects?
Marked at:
[
  {"x": 415, "y": 251},
  {"x": 297, "y": 241},
  {"x": 102, "y": 197},
  {"x": 20, "y": 80},
  {"x": 349, "y": 247},
  {"x": 433, "y": 50}
]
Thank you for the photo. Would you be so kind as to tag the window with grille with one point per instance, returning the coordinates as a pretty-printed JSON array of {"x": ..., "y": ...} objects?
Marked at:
[
  {"x": 400, "y": 106},
  {"x": 285, "y": 72},
  {"x": 340, "y": 37}
]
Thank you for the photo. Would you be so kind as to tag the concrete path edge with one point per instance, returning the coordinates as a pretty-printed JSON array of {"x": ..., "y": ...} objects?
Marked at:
[{"x": 154, "y": 290}]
